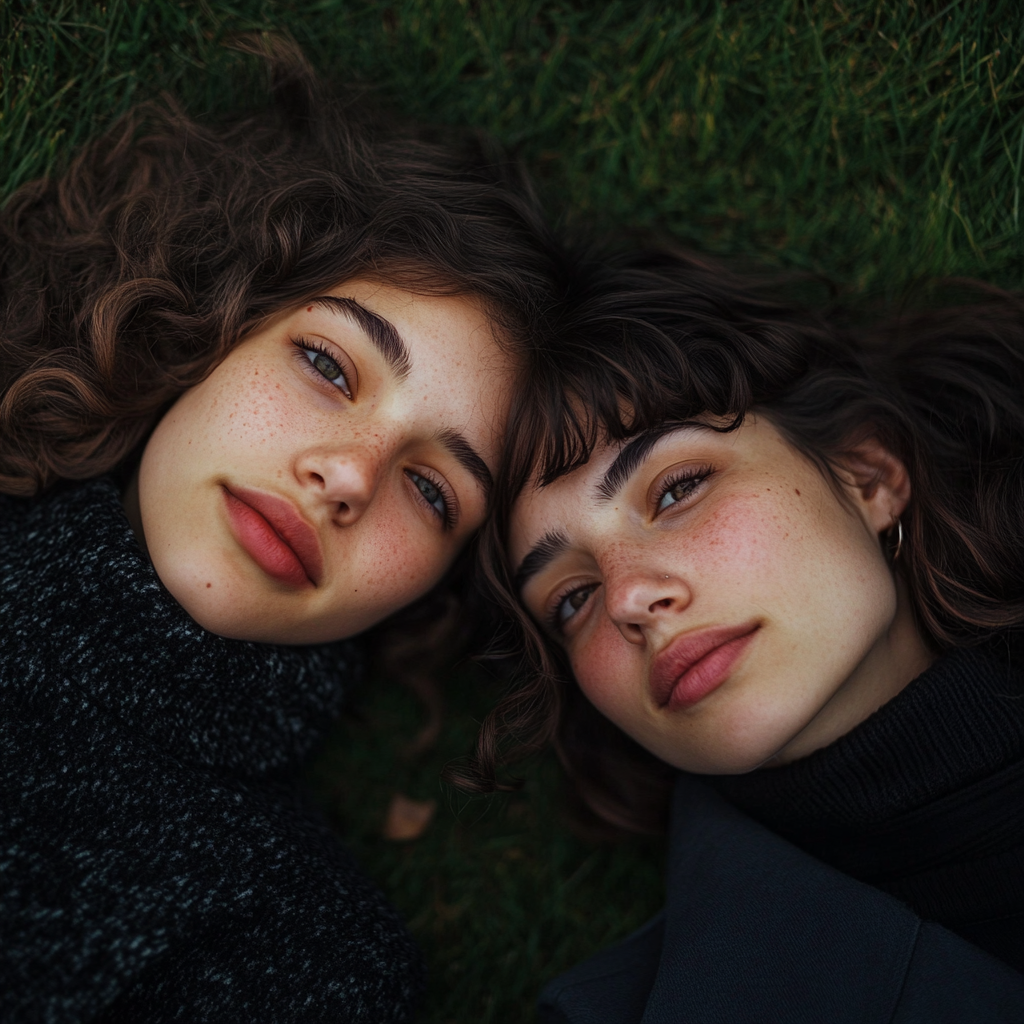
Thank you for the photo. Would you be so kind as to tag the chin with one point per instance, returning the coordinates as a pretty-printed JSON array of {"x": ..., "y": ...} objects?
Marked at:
[
  {"x": 732, "y": 752},
  {"x": 216, "y": 606},
  {"x": 722, "y": 763}
]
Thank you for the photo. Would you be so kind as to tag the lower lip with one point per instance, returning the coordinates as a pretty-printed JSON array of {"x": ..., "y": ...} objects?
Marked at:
[
  {"x": 708, "y": 674},
  {"x": 263, "y": 545}
]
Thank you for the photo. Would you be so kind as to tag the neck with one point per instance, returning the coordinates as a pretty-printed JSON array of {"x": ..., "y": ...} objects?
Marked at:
[{"x": 898, "y": 657}]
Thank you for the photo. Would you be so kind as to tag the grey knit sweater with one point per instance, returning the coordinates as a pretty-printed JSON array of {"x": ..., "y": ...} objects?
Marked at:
[{"x": 155, "y": 862}]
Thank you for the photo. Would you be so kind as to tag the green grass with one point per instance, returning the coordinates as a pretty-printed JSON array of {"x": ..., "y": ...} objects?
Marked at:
[{"x": 877, "y": 144}]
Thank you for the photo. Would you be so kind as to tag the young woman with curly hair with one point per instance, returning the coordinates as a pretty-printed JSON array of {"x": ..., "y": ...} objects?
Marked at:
[
  {"x": 776, "y": 568},
  {"x": 253, "y": 378}
]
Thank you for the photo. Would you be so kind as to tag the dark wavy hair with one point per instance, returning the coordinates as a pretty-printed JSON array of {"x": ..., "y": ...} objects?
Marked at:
[
  {"x": 654, "y": 338},
  {"x": 126, "y": 279}
]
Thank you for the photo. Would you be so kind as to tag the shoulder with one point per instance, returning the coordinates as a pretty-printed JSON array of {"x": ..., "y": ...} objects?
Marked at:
[
  {"x": 755, "y": 929},
  {"x": 171, "y": 889}
]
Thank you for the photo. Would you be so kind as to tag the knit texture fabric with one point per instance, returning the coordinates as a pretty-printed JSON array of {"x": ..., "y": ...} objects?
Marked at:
[
  {"x": 156, "y": 862},
  {"x": 924, "y": 799}
]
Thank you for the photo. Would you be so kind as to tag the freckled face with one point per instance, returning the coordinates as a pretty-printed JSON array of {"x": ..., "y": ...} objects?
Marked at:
[
  {"x": 330, "y": 468},
  {"x": 723, "y": 606}
]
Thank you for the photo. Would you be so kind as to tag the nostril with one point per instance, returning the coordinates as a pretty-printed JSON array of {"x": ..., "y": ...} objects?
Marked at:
[{"x": 665, "y": 602}]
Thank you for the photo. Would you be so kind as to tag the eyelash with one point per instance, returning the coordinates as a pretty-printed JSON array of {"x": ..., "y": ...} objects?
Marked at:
[
  {"x": 448, "y": 517},
  {"x": 304, "y": 345},
  {"x": 695, "y": 476},
  {"x": 553, "y": 619}
]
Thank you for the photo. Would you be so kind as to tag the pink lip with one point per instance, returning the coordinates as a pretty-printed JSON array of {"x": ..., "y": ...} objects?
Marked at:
[
  {"x": 696, "y": 663},
  {"x": 275, "y": 536}
]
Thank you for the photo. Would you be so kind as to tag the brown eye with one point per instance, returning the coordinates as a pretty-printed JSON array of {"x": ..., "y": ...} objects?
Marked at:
[
  {"x": 681, "y": 487},
  {"x": 572, "y": 603}
]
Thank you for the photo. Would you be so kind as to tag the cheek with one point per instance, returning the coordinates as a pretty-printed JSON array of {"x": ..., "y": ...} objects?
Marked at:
[
  {"x": 772, "y": 545},
  {"x": 610, "y": 671},
  {"x": 250, "y": 408},
  {"x": 804, "y": 562},
  {"x": 240, "y": 410},
  {"x": 395, "y": 563},
  {"x": 751, "y": 533}
]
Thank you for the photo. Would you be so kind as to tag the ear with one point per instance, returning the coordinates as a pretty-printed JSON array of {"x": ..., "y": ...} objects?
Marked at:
[{"x": 878, "y": 483}]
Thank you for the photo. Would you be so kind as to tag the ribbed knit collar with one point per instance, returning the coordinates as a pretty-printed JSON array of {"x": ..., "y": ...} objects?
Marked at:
[
  {"x": 85, "y": 619},
  {"x": 960, "y": 721}
]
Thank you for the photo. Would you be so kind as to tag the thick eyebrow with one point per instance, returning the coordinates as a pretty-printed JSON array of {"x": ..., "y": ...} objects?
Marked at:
[
  {"x": 633, "y": 456},
  {"x": 549, "y": 547},
  {"x": 467, "y": 455},
  {"x": 381, "y": 333}
]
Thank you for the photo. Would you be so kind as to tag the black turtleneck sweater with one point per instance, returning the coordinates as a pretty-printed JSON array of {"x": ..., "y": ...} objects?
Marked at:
[
  {"x": 924, "y": 799},
  {"x": 155, "y": 861}
]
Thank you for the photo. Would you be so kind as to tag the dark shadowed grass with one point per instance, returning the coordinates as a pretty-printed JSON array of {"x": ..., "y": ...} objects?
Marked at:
[
  {"x": 499, "y": 894},
  {"x": 876, "y": 144}
]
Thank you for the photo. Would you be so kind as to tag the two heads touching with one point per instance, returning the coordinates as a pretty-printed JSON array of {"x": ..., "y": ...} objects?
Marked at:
[{"x": 324, "y": 354}]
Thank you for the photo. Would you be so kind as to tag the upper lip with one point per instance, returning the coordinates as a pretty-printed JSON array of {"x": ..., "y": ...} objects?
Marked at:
[
  {"x": 289, "y": 525},
  {"x": 684, "y": 652}
]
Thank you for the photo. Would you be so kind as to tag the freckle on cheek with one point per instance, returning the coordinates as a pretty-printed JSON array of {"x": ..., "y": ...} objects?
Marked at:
[{"x": 602, "y": 653}]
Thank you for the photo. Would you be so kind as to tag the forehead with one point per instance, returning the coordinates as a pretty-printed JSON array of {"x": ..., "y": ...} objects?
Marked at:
[
  {"x": 457, "y": 359},
  {"x": 460, "y": 323},
  {"x": 560, "y": 505}
]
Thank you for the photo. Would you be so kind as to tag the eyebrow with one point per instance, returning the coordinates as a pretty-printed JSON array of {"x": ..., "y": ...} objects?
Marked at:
[
  {"x": 381, "y": 333},
  {"x": 546, "y": 550},
  {"x": 633, "y": 456},
  {"x": 468, "y": 457}
]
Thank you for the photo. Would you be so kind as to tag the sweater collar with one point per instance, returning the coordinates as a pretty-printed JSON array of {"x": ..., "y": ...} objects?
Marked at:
[
  {"x": 94, "y": 624},
  {"x": 959, "y": 721}
]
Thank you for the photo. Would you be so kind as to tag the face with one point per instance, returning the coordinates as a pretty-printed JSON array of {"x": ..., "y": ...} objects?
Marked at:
[
  {"x": 330, "y": 468},
  {"x": 717, "y": 599}
]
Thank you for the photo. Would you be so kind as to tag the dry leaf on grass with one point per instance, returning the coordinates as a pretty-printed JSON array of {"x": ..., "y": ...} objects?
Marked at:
[{"x": 406, "y": 818}]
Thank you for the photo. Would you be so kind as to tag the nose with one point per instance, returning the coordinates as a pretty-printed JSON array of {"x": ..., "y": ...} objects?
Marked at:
[
  {"x": 639, "y": 603},
  {"x": 344, "y": 478}
]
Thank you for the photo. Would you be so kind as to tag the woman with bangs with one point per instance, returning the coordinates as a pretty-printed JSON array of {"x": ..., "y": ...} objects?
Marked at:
[
  {"x": 253, "y": 381},
  {"x": 770, "y": 574}
]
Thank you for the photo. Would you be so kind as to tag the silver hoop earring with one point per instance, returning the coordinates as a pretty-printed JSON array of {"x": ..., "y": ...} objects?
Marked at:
[{"x": 899, "y": 539}]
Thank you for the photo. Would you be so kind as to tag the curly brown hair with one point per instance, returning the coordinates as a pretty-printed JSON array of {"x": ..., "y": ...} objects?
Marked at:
[
  {"x": 651, "y": 339},
  {"x": 125, "y": 280}
]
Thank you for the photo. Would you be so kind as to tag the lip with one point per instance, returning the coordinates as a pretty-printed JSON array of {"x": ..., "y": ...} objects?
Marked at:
[
  {"x": 275, "y": 536},
  {"x": 696, "y": 663}
]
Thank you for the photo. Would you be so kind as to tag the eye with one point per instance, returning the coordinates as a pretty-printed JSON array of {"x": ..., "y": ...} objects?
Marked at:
[
  {"x": 433, "y": 494},
  {"x": 324, "y": 364},
  {"x": 680, "y": 486},
  {"x": 569, "y": 604}
]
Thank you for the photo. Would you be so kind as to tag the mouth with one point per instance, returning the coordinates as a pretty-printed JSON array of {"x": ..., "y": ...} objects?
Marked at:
[
  {"x": 695, "y": 664},
  {"x": 275, "y": 536}
]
